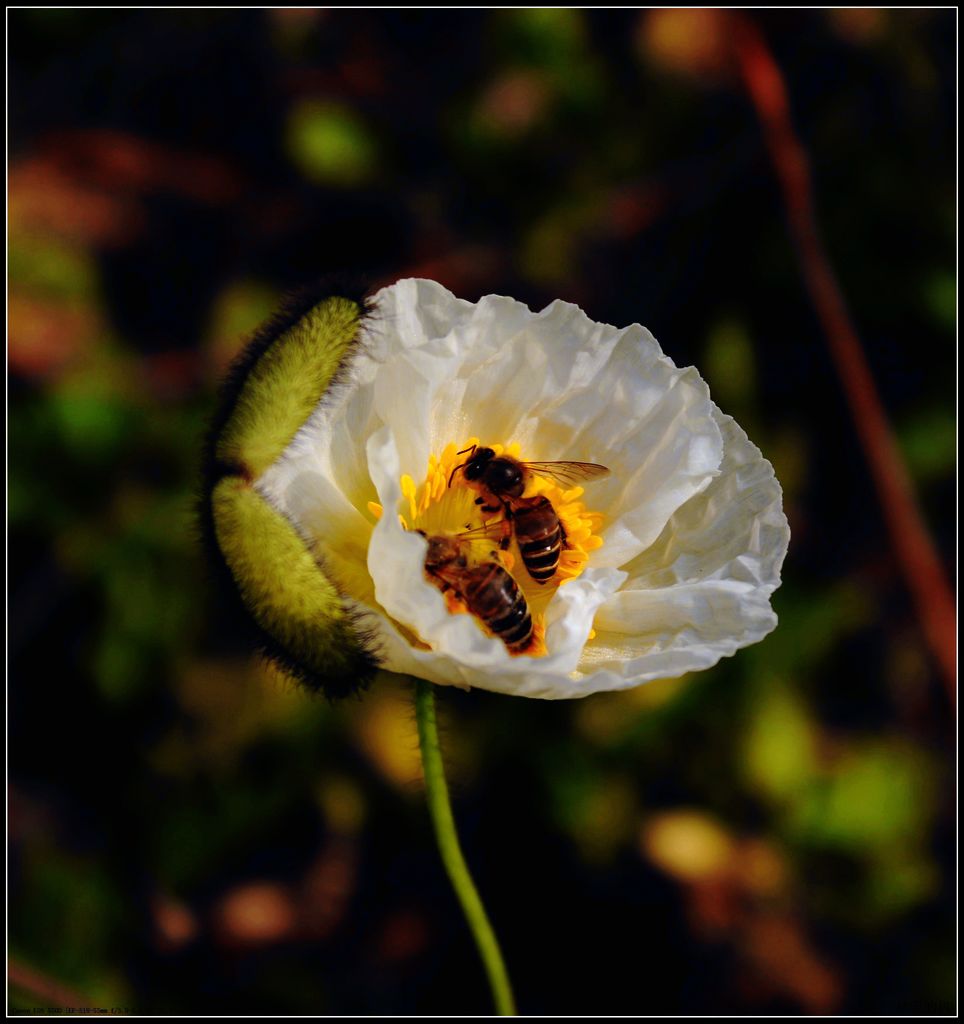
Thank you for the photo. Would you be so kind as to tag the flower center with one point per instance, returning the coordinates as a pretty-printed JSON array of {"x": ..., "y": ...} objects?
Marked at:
[{"x": 447, "y": 504}]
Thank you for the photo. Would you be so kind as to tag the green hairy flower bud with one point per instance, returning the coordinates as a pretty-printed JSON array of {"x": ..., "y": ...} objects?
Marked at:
[{"x": 300, "y": 618}]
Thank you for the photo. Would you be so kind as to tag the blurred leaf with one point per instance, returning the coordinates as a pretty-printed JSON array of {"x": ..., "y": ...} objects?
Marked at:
[
  {"x": 940, "y": 298},
  {"x": 607, "y": 819},
  {"x": 210, "y": 824},
  {"x": 812, "y": 623},
  {"x": 51, "y": 267},
  {"x": 730, "y": 370},
  {"x": 342, "y": 802},
  {"x": 92, "y": 425},
  {"x": 330, "y": 144},
  {"x": 611, "y": 719},
  {"x": 548, "y": 254},
  {"x": 788, "y": 452},
  {"x": 929, "y": 443},
  {"x": 546, "y": 35},
  {"x": 77, "y": 901},
  {"x": 147, "y": 613},
  {"x": 551, "y": 247},
  {"x": 556, "y": 40},
  {"x": 878, "y": 795},
  {"x": 899, "y": 880},
  {"x": 779, "y": 753}
]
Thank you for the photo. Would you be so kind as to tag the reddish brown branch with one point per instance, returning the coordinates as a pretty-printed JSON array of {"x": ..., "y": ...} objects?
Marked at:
[{"x": 915, "y": 551}]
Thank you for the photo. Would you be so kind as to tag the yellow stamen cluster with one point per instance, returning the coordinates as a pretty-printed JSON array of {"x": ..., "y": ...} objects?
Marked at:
[{"x": 435, "y": 507}]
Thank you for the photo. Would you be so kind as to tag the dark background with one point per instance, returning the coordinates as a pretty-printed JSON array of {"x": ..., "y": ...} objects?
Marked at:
[{"x": 191, "y": 834}]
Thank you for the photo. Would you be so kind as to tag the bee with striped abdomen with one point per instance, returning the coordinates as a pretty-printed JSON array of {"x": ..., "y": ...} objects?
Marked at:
[
  {"x": 501, "y": 481},
  {"x": 485, "y": 587}
]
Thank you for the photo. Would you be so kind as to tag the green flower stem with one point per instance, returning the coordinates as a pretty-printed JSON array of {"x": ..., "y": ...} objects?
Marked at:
[{"x": 448, "y": 843}]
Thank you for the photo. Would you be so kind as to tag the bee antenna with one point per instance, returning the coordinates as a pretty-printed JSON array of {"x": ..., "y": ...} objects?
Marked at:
[{"x": 471, "y": 448}]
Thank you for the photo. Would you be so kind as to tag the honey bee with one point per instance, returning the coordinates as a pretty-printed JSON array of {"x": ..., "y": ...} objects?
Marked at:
[
  {"x": 501, "y": 481},
  {"x": 489, "y": 592}
]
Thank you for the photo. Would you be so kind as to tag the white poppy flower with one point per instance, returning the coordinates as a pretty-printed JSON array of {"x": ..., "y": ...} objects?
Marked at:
[{"x": 670, "y": 560}]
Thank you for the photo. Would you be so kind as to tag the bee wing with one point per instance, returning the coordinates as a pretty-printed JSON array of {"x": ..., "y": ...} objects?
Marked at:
[
  {"x": 567, "y": 473},
  {"x": 492, "y": 529}
]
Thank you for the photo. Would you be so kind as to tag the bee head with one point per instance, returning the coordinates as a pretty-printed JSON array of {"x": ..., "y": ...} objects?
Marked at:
[{"x": 476, "y": 465}]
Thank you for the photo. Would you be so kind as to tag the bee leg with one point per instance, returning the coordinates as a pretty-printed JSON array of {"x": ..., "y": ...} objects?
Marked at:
[
  {"x": 488, "y": 508},
  {"x": 506, "y": 539}
]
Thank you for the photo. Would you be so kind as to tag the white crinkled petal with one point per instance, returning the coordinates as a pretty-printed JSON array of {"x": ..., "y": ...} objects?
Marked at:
[
  {"x": 702, "y": 591},
  {"x": 437, "y": 369},
  {"x": 736, "y": 530},
  {"x": 694, "y": 529},
  {"x": 562, "y": 386}
]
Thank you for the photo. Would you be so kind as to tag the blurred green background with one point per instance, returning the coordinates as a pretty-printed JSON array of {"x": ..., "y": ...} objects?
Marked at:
[{"x": 190, "y": 833}]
